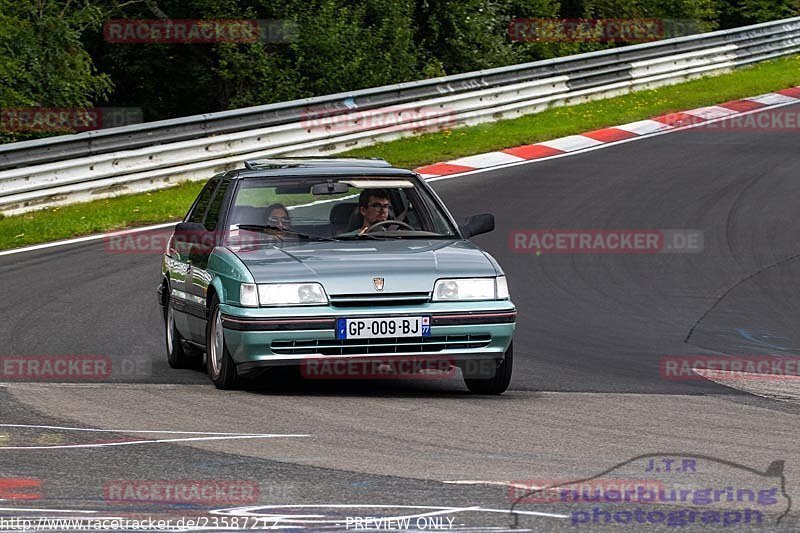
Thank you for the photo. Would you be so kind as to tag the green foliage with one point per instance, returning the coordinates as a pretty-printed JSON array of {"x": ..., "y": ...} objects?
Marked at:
[
  {"x": 43, "y": 62},
  {"x": 344, "y": 45},
  {"x": 741, "y": 12},
  {"x": 702, "y": 11}
]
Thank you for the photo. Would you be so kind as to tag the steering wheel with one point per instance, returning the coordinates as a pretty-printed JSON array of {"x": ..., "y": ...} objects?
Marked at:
[{"x": 389, "y": 223}]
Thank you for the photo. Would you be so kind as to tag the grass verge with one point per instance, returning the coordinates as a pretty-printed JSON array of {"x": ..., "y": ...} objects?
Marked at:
[
  {"x": 171, "y": 204},
  {"x": 98, "y": 216}
]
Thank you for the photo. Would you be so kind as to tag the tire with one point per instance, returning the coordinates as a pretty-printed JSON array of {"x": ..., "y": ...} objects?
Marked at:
[
  {"x": 221, "y": 368},
  {"x": 498, "y": 383},
  {"x": 178, "y": 354}
]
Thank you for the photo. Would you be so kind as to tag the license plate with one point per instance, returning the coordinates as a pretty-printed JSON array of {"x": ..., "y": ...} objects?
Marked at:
[{"x": 375, "y": 328}]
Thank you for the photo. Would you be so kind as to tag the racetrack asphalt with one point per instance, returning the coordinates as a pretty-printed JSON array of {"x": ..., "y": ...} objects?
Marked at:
[{"x": 586, "y": 396}]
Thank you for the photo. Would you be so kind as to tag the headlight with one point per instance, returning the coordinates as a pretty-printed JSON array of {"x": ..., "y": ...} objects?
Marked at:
[
  {"x": 292, "y": 294},
  {"x": 502, "y": 288},
  {"x": 248, "y": 295},
  {"x": 470, "y": 289}
]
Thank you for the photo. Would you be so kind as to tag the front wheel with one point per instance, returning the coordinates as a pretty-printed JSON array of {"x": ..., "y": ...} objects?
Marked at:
[
  {"x": 178, "y": 355},
  {"x": 221, "y": 368},
  {"x": 498, "y": 382}
]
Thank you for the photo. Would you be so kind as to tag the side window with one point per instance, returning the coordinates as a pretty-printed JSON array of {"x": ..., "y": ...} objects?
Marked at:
[
  {"x": 430, "y": 218},
  {"x": 198, "y": 212},
  {"x": 212, "y": 218},
  {"x": 412, "y": 217}
]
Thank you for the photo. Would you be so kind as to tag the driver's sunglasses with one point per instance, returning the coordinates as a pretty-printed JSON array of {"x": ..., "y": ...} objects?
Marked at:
[
  {"x": 280, "y": 220},
  {"x": 376, "y": 206}
]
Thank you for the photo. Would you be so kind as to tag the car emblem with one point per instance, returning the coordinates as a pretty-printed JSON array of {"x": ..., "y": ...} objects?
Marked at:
[{"x": 378, "y": 282}]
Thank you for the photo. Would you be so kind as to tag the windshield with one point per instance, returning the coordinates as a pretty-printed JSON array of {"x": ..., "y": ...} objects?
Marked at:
[{"x": 302, "y": 209}]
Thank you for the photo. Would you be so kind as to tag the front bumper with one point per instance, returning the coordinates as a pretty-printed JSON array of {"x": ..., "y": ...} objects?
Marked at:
[{"x": 258, "y": 338}]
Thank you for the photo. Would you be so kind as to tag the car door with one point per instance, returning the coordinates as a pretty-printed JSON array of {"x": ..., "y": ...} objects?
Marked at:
[
  {"x": 199, "y": 276},
  {"x": 177, "y": 260}
]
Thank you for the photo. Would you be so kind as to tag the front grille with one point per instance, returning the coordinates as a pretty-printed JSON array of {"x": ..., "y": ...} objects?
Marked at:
[
  {"x": 391, "y": 298},
  {"x": 388, "y": 345}
]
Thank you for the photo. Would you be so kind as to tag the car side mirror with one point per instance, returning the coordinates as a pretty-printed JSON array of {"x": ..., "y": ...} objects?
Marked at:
[
  {"x": 190, "y": 227},
  {"x": 192, "y": 232},
  {"x": 477, "y": 224}
]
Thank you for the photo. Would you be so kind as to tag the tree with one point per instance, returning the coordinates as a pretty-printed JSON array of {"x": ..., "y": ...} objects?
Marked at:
[
  {"x": 742, "y": 12},
  {"x": 42, "y": 60},
  {"x": 684, "y": 16},
  {"x": 351, "y": 44}
]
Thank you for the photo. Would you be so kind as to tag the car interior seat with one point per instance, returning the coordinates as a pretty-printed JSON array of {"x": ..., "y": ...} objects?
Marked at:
[
  {"x": 341, "y": 216},
  {"x": 245, "y": 214}
]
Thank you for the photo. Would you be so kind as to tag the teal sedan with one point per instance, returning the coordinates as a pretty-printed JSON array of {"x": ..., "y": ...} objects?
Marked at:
[{"x": 324, "y": 262}]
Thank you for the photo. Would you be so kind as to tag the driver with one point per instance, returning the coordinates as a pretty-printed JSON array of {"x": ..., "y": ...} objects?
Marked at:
[{"x": 374, "y": 205}]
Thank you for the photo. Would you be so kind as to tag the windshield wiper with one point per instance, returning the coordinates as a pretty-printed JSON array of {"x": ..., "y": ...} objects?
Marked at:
[
  {"x": 357, "y": 236},
  {"x": 396, "y": 235},
  {"x": 278, "y": 230},
  {"x": 427, "y": 235}
]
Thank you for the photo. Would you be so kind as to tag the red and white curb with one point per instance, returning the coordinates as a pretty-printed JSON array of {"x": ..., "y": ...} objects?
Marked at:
[{"x": 625, "y": 132}]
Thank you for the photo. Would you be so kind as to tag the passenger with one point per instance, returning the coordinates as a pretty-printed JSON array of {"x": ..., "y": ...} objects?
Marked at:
[{"x": 278, "y": 216}]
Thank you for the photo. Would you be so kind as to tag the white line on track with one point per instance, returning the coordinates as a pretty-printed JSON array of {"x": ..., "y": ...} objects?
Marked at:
[
  {"x": 206, "y": 437},
  {"x": 95, "y": 430},
  {"x": 475, "y": 482},
  {"x": 509, "y": 484},
  {"x": 318, "y": 519},
  {"x": 46, "y": 510},
  {"x": 88, "y": 238},
  {"x": 783, "y": 387},
  {"x": 154, "y": 441},
  {"x": 81, "y": 523}
]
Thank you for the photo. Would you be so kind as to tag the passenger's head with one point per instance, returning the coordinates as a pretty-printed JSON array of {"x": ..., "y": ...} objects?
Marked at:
[
  {"x": 278, "y": 215},
  {"x": 373, "y": 204}
]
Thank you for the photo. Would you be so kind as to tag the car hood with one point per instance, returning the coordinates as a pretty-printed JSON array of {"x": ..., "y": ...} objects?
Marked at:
[{"x": 349, "y": 267}]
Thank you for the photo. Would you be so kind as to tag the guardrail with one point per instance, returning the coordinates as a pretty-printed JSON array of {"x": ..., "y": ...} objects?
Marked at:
[{"x": 85, "y": 166}]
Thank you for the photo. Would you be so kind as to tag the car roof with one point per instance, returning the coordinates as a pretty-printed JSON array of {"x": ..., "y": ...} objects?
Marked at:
[
  {"x": 301, "y": 161},
  {"x": 319, "y": 167},
  {"x": 323, "y": 171}
]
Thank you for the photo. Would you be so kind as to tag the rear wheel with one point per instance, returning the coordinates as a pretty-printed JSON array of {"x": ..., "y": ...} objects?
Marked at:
[
  {"x": 221, "y": 368},
  {"x": 178, "y": 354},
  {"x": 498, "y": 382}
]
